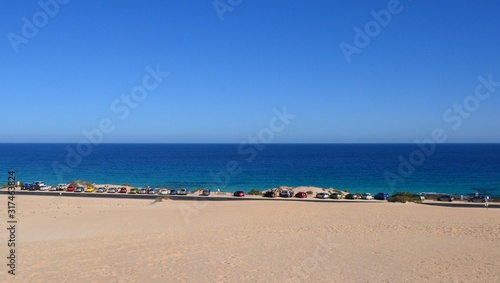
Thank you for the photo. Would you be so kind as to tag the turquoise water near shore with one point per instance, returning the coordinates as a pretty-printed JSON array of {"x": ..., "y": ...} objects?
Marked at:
[{"x": 451, "y": 168}]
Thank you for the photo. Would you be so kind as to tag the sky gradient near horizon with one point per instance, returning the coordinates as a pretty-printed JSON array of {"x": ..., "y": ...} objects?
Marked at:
[{"x": 230, "y": 71}]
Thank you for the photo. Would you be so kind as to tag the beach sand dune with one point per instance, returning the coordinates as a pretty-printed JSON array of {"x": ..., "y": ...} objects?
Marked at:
[{"x": 122, "y": 240}]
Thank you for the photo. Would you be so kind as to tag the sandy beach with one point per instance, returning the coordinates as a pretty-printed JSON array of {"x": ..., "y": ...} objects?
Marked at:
[{"x": 62, "y": 239}]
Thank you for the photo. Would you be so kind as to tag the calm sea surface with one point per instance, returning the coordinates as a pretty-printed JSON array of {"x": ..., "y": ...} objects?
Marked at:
[{"x": 452, "y": 168}]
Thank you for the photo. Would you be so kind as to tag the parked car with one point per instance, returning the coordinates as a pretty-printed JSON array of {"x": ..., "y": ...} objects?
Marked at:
[
  {"x": 419, "y": 197},
  {"x": 132, "y": 191},
  {"x": 367, "y": 196},
  {"x": 101, "y": 190},
  {"x": 89, "y": 190},
  {"x": 286, "y": 194},
  {"x": 152, "y": 191},
  {"x": 205, "y": 193},
  {"x": 38, "y": 184},
  {"x": 123, "y": 190},
  {"x": 182, "y": 192},
  {"x": 477, "y": 199},
  {"x": 336, "y": 196},
  {"x": 43, "y": 187},
  {"x": 70, "y": 189},
  {"x": 351, "y": 196},
  {"x": 165, "y": 192},
  {"x": 79, "y": 189},
  {"x": 113, "y": 190},
  {"x": 173, "y": 192},
  {"x": 445, "y": 197},
  {"x": 239, "y": 194},
  {"x": 142, "y": 191},
  {"x": 381, "y": 196},
  {"x": 322, "y": 195},
  {"x": 301, "y": 195},
  {"x": 53, "y": 188},
  {"x": 26, "y": 186},
  {"x": 269, "y": 194},
  {"x": 62, "y": 187}
]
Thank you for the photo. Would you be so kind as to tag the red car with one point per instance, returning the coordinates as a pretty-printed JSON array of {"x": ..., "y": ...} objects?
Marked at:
[
  {"x": 239, "y": 194},
  {"x": 301, "y": 195},
  {"x": 123, "y": 190},
  {"x": 70, "y": 189}
]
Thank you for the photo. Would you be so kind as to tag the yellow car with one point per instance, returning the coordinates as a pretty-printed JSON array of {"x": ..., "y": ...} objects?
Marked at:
[
  {"x": 134, "y": 191},
  {"x": 89, "y": 190}
]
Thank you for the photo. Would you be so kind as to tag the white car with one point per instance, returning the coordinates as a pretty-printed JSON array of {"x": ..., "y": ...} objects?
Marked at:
[
  {"x": 44, "y": 188},
  {"x": 53, "y": 189},
  {"x": 62, "y": 187},
  {"x": 164, "y": 192},
  {"x": 367, "y": 196}
]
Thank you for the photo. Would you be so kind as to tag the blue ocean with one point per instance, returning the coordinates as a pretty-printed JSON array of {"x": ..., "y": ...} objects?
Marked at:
[{"x": 442, "y": 168}]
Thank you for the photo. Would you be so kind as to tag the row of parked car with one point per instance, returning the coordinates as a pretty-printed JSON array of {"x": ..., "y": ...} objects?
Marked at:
[
  {"x": 474, "y": 198},
  {"x": 39, "y": 185},
  {"x": 322, "y": 195}
]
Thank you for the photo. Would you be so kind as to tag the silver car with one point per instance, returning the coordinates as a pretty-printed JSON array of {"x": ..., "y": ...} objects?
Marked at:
[{"x": 322, "y": 195}]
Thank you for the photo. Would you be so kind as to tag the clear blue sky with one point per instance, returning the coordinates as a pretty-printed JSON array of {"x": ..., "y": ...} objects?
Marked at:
[{"x": 226, "y": 76}]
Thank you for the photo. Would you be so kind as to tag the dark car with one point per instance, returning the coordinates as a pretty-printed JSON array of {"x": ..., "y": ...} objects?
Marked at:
[
  {"x": 205, "y": 193},
  {"x": 336, "y": 196},
  {"x": 173, "y": 192},
  {"x": 269, "y": 194},
  {"x": 301, "y": 195},
  {"x": 239, "y": 194},
  {"x": 477, "y": 199},
  {"x": 381, "y": 196},
  {"x": 445, "y": 197},
  {"x": 351, "y": 196},
  {"x": 27, "y": 186},
  {"x": 286, "y": 194}
]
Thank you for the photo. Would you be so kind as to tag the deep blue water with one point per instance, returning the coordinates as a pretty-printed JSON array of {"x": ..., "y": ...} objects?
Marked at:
[{"x": 452, "y": 168}]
